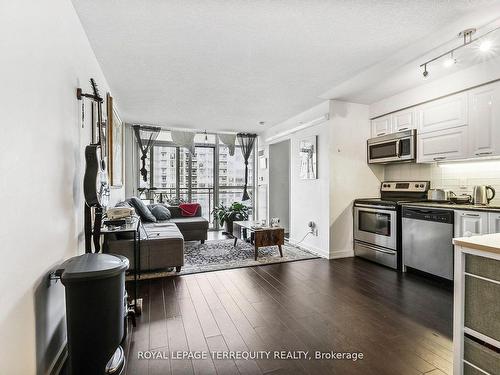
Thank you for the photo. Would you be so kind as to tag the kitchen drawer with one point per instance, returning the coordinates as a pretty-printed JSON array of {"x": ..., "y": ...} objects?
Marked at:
[
  {"x": 482, "y": 307},
  {"x": 481, "y": 266},
  {"x": 469, "y": 370},
  {"x": 481, "y": 356}
]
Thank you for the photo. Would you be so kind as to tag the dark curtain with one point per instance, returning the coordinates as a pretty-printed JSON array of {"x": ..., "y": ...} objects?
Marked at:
[
  {"x": 146, "y": 137},
  {"x": 246, "y": 141}
]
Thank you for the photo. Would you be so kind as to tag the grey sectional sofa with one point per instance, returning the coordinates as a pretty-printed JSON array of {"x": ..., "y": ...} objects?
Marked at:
[{"x": 162, "y": 243}]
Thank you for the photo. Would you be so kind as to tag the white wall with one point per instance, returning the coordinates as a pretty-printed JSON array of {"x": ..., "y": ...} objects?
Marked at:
[
  {"x": 309, "y": 199},
  {"x": 350, "y": 175},
  {"x": 343, "y": 175},
  {"x": 45, "y": 57}
]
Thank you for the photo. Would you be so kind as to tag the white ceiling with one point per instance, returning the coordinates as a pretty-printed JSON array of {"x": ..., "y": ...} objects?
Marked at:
[{"x": 226, "y": 65}]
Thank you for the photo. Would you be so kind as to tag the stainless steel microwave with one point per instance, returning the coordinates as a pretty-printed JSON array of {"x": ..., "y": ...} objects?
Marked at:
[{"x": 393, "y": 148}]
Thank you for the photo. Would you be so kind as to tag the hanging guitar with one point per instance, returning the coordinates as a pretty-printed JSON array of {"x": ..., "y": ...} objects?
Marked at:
[{"x": 95, "y": 180}]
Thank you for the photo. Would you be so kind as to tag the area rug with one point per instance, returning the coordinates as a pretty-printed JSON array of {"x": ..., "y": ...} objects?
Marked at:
[{"x": 216, "y": 255}]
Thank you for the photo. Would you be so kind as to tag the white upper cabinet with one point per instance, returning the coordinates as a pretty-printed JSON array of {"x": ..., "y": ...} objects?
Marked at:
[
  {"x": 381, "y": 126},
  {"x": 470, "y": 223},
  {"x": 442, "y": 145},
  {"x": 403, "y": 120},
  {"x": 442, "y": 113},
  {"x": 494, "y": 222},
  {"x": 484, "y": 120}
]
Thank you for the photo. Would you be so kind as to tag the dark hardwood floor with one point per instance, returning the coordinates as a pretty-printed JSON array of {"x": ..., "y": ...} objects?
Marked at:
[{"x": 401, "y": 323}]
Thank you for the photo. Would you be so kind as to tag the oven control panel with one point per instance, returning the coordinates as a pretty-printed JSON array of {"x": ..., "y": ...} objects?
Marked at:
[{"x": 405, "y": 186}]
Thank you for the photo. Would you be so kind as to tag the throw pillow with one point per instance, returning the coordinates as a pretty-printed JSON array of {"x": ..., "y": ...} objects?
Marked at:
[
  {"x": 160, "y": 211},
  {"x": 125, "y": 203},
  {"x": 142, "y": 210}
]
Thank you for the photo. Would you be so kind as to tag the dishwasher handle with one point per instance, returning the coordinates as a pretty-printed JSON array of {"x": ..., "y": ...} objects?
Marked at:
[{"x": 441, "y": 216}]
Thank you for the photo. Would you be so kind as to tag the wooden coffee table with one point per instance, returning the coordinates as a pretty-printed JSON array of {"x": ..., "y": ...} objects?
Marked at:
[{"x": 259, "y": 237}]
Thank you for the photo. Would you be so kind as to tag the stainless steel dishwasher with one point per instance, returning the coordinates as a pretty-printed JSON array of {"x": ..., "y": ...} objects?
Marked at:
[{"x": 427, "y": 240}]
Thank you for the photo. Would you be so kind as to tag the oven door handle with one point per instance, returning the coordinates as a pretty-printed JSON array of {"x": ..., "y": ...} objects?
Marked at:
[{"x": 374, "y": 208}]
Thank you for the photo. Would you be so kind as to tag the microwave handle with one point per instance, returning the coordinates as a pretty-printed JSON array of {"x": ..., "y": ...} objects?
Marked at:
[{"x": 398, "y": 148}]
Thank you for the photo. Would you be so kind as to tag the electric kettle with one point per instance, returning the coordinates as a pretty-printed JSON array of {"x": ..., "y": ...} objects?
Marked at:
[{"x": 480, "y": 194}]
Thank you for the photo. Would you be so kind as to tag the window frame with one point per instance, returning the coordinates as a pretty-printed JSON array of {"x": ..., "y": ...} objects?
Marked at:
[{"x": 216, "y": 180}]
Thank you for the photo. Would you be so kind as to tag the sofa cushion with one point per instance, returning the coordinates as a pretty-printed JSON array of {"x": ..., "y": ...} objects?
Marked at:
[
  {"x": 160, "y": 211},
  {"x": 125, "y": 203},
  {"x": 142, "y": 210},
  {"x": 190, "y": 223}
]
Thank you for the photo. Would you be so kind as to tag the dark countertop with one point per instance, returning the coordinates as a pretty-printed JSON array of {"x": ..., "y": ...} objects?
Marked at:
[{"x": 470, "y": 207}]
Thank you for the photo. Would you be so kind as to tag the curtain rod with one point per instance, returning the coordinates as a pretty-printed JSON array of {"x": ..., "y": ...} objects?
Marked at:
[{"x": 202, "y": 131}]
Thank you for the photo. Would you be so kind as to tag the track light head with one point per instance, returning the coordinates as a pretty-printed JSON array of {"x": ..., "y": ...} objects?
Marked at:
[
  {"x": 425, "y": 72},
  {"x": 449, "y": 61},
  {"x": 485, "y": 46}
]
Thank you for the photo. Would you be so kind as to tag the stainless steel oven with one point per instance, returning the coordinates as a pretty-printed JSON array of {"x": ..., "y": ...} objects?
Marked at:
[
  {"x": 375, "y": 233},
  {"x": 397, "y": 147},
  {"x": 377, "y": 221}
]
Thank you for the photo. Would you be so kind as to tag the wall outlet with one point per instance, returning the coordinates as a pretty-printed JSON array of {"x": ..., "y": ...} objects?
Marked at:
[
  {"x": 313, "y": 228},
  {"x": 463, "y": 183}
]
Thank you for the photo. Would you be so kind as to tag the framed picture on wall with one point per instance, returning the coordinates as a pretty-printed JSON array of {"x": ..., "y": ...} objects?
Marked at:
[
  {"x": 308, "y": 158},
  {"x": 115, "y": 144},
  {"x": 103, "y": 136}
]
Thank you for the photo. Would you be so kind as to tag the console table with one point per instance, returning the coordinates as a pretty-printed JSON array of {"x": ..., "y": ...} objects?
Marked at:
[
  {"x": 259, "y": 236},
  {"x": 134, "y": 226}
]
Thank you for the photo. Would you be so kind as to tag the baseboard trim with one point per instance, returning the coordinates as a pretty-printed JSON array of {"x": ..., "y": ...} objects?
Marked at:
[
  {"x": 59, "y": 361},
  {"x": 312, "y": 249}
]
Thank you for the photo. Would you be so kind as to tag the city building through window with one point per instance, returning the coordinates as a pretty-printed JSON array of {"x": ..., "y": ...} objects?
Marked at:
[{"x": 210, "y": 177}]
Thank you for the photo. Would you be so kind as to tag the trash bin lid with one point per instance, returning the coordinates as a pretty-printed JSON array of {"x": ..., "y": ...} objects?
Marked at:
[{"x": 92, "y": 266}]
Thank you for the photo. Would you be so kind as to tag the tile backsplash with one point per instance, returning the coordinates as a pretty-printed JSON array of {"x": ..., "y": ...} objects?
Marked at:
[{"x": 460, "y": 177}]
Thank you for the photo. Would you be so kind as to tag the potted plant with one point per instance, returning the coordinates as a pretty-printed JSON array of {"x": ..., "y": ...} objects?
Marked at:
[{"x": 225, "y": 215}]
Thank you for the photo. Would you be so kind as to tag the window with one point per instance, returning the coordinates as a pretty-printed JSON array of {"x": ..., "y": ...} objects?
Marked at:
[
  {"x": 232, "y": 175},
  {"x": 174, "y": 173}
]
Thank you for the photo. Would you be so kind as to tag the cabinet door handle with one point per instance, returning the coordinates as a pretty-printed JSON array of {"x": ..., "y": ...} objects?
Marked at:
[
  {"x": 484, "y": 153},
  {"x": 471, "y": 215},
  {"x": 403, "y": 129},
  {"x": 440, "y": 158}
]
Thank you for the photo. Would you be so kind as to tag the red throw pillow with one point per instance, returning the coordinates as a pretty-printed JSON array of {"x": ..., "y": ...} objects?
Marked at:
[{"x": 189, "y": 209}]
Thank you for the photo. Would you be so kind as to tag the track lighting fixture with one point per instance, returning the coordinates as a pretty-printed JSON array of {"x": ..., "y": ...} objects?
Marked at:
[
  {"x": 450, "y": 61},
  {"x": 485, "y": 46},
  {"x": 425, "y": 73},
  {"x": 466, "y": 35}
]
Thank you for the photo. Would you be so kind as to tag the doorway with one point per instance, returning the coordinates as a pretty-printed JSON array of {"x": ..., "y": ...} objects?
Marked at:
[{"x": 279, "y": 183}]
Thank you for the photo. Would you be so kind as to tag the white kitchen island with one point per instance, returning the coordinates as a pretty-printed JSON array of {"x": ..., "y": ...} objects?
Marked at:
[{"x": 476, "y": 319}]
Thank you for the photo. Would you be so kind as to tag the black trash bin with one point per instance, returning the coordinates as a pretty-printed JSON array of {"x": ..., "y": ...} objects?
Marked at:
[{"x": 95, "y": 312}]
